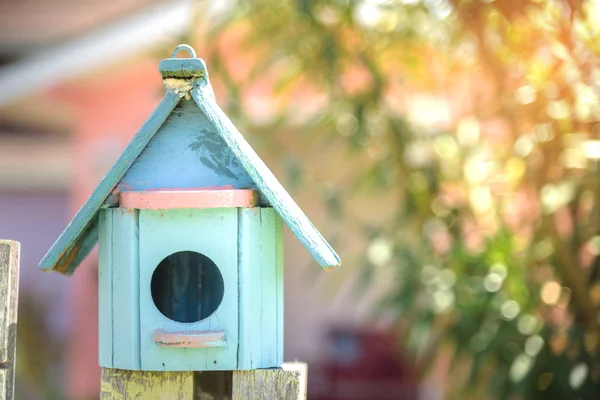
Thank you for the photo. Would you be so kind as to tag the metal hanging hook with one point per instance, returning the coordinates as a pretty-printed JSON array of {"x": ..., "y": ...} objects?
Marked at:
[{"x": 185, "y": 47}]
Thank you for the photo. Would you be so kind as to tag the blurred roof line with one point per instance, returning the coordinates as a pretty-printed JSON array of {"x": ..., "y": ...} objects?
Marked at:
[{"x": 128, "y": 35}]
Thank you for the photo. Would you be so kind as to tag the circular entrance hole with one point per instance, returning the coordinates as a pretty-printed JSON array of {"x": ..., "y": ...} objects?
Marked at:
[{"x": 187, "y": 287}]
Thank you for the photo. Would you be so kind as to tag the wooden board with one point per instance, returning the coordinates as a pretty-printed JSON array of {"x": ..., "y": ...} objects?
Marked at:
[
  {"x": 125, "y": 289},
  {"x": 105, "y": 302},
  {"x": 211, "y": 232},
  {"x": 9, "y": 292},
  {"x": 261, "y": 280},
  {"x": 286, "y": 383},
  {"x": 270, "y": 304},
  {"x": 118, "y": 384}
]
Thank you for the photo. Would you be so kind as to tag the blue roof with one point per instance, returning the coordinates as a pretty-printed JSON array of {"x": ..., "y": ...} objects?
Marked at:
[{"x": 81, "y": 234}]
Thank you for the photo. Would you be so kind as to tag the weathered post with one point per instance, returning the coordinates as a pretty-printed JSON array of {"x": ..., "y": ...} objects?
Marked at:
[
  {"x": 285, "y": 383},
  {"x": 9, "y": 292},
  {"x": 189, "y": 225}
]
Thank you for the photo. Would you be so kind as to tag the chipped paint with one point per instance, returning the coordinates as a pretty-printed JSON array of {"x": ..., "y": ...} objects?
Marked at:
[
  {"x": 179, "y": 86},
  {"x": 195, "y": 339}
]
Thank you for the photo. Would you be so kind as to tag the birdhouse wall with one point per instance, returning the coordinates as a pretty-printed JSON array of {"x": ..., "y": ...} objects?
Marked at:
[
  {"x": 132, "y": 244},
  {"x": 119, "y": 289},
  {"x": 261, "y": 288},
  {"x": 186, "y": 152},
  {"x": 212, "y": 233}
]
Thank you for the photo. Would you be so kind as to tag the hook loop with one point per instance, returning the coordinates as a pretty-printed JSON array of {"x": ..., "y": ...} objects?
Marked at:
[{"x": 184, "y": 47}]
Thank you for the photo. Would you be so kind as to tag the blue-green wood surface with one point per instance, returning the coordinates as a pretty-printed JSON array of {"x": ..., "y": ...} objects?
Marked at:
[
  {"x": 260, "y": 277},
  {"x": 250, "y": 296},
  {"x": 79, "y": 237},
  {"x": 268, "y": 282},
  {"x": 280, "y": 284},
  {"x": 186, "y": 153},
  {"x": 125, "y": 289},
  {"x": 105, "y": 323},
  {"x": 212, "y": 232}
]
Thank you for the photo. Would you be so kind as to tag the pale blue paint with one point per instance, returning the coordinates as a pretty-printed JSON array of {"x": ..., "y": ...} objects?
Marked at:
[
  {"x": 79, "y": 237},
  {"x": 212, "y": 232},
  {"x": 280, "y": 281},
  {"x": 246, "y": 246},
  {"x": 268, "y": 282},
  {"x": 186, "y": 153},
  {"x": 105, "y": 333},
  {"x": 250, "y": 297},
  {"x": 260, "y": 339},
  {"x": 125, "y": 289}
]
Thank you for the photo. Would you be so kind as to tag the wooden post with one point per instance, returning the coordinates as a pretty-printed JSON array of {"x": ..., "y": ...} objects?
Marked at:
[
  {"x": 9, "y": 291},
  {"x": 119, "y": 384},
  {"x": 286, "y": 383}
]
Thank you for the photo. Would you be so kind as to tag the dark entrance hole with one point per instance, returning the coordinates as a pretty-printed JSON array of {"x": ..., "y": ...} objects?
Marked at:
[{"x": 187, "y": 287}]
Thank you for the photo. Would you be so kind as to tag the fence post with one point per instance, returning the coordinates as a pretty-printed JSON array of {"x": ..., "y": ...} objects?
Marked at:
[
  {"x": 286, "y": 383},
  {"x": 9, "y": 291}
]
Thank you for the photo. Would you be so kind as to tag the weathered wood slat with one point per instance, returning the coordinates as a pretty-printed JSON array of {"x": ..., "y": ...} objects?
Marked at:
[
  {"x": 287, "y": 383},
  {"x": 125, "y": 290},
  {"x": 119, "y": 384},
  {"x": 9, "y": 291}
]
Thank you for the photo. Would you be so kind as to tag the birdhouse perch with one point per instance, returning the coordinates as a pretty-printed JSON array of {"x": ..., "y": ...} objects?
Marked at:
[{"x": 189, "y": 227}]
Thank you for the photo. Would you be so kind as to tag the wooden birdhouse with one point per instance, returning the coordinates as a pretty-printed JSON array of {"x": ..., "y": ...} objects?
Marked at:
[{"x": 189, "y": 227}]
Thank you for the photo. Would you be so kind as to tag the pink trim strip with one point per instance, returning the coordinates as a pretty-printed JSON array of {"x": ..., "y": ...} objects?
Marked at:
[
  {"x": 198, "y": 339},
  {"x": 165, "y": 199}
]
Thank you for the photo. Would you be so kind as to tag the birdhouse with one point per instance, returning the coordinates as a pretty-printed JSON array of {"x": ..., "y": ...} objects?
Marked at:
[{"x": 189, "y": 227}]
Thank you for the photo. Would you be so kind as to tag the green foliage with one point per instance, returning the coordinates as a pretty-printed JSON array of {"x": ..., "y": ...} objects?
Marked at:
[{"x": 491, "y": 239}]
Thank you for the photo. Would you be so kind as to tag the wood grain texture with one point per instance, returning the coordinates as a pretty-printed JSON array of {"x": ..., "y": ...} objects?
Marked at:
[
  {"x": 250, "y": 288},
  {"x": 186, "y": 153},
  {"x": 105, "y": 280},
  {"x": 269, "y": 304},
  {"x": 73, "y": 244},
  {"x": 286, "y": 383},
  {"x": 264, "y": 179},
  {"x": 125, "y": 289},
  {"x": 118, "y": 384},
  {"x": 260, "y": 306},
  {"x": 280, "y": 285},
  {"x": 167, "y": 199},
  {"x": 9, "y": 292},
  {"x": 213, "y": 233}
]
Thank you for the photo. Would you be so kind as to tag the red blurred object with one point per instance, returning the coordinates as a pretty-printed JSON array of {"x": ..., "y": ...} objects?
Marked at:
[{"x": 363, "y": 365}]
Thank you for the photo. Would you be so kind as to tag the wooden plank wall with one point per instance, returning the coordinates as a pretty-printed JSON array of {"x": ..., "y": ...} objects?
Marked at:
[{"x": 9, "y": 291}]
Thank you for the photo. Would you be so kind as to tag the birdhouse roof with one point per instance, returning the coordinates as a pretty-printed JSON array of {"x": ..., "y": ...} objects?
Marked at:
[{"x": 183, "y": 77}]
